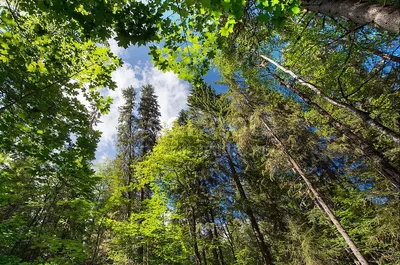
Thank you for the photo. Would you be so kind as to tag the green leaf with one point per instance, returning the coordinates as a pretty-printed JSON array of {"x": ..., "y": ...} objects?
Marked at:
[
  {"x": 274, "y": 2},
  {"x": 295, "y": 10}
]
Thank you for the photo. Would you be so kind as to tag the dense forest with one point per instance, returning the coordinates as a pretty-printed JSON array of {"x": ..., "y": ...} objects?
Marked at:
[{"x": 298, "y": 162}]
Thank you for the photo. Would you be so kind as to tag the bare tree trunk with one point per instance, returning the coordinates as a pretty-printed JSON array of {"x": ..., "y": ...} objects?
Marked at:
[
  {"x": 254, "y": 224},
  {"x": 385, "y": 55},
  {"x": 360, "y": 12},
  {"x": 386, "y": 169},
  {"x": 318, "y": 198},
  {"x": 361, "y": 114}
]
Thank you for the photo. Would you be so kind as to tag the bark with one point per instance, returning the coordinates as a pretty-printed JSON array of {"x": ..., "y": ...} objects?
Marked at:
[
  {"x": 318, "y": 198},
  {"x": 394, "y": 136},
  {"x": 249, "y": 211},
  {"x": 360, "y": 12},
  {"x": 99, "y": 235},
  {"x": 230, "y": 240},
  {"x": 385, "y": 55},
  {"x": 194, "y": 235},
  {"x": 213, "y": 250},
  {"x": 140, "y": 250},
  {"x": 204, "y": 256},
  {"x": 221, "y": 255},
  {"x": 356, "y": 141},
  {"x": 213, "y": 237},
  {"x": 216, "y": 235}
]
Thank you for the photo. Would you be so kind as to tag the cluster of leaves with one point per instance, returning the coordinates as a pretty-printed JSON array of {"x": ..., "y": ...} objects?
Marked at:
[
  {"x": 47, "y": 137},
  {"x": 219, "y": 187}
]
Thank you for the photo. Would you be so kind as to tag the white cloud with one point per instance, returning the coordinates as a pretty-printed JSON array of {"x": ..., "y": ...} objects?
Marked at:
[
  {"x": 117, "y": 50},
  {"x": 171, "y": 91},
  {"x": 124, "y": 77}
]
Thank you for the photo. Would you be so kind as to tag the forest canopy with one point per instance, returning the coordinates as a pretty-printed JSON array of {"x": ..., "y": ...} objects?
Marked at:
[{"x": 297, "y": 162}]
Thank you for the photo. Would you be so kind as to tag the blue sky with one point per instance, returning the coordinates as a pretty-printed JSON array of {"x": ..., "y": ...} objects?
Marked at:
[{"x": 138, "y": 70}]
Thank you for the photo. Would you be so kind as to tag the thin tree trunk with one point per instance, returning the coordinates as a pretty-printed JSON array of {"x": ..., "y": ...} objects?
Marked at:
[
  {"x": 147, "y": 253},
  {"x": 217, "y": 237},
  {"x": 212, "y": 238},
  {"x": 140, "y": 250},
  {"x": 385, "y": 55},
  {"x": 221, "y": 255},
  {"x": 318, "y": 198},
  {"x": 213, "y": 250},
  {"x": 254, "y": 224},
  {"x": 194, "y": 235},
  {"x": 361, "y": 114},
  {"x": 360, "y": 12},
  {"x": 230, "y": 240},
  {"x": 204, "y": 256},
  {"x": 386, "y": 169}
]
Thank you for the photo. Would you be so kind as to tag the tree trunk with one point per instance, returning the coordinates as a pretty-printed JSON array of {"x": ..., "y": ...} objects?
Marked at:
[
  {"x": 216, "y": 235},
  {"x": 194, "y": 235},
  {"x": 204, "y": 256},
  {"x": 318, "y": 198},
  {"x": 213, "y": 249},
  {"x": 361, "y": 114},
  {"x": 254, "y": 224},
  {"x": 221, "y": 255},
  {"x": 384, "y": 16},
  {"x": 385, "y": 55},
  {"x": 230, "y": 240},
  {"x": 212, "y": 237},
  {"x": 386, "y": 169}
]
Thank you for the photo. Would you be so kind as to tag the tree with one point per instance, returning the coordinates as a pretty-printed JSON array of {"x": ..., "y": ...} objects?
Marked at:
[
  {"x": 48, "y": 140},
  {"x": 149, "y": 124},
  {"x": 175, "y": 160},
  {"x": 128, "y": 143},
  {"x": 382, "y": 15},
  {"x": 247, "y": 176},
  {"x": 365, "y": 116},
  {"x": 214, "y": 107}
]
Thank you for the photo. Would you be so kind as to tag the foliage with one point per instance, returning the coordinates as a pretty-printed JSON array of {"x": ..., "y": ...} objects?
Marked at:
[{"x": 240, "y": 176}]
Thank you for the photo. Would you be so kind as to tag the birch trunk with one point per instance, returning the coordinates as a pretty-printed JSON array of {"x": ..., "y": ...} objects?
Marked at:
[
  {"x": 360, "y": 12},
  {"x": 318, "y": 198},
  {"x": 361, "y": 114},
  {"x": 386, "y": 169}
]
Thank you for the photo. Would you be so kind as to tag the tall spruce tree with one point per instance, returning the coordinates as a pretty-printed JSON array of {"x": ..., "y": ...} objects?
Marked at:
[
  {"x": 149, "y": 124},
  {"x": 127, "y": 142}
]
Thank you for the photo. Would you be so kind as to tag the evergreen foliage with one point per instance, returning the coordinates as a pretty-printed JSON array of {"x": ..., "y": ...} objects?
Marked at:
[{"x": 296, "y": 163}]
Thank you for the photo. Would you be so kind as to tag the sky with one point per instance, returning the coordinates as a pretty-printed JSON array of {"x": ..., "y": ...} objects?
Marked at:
[{"x": 137, "y": 71}]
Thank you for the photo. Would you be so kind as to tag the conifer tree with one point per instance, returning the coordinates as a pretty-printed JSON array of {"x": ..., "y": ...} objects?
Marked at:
[
  {"x": 149, "y": 124},
  {"x": 127, "y": 142}
]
